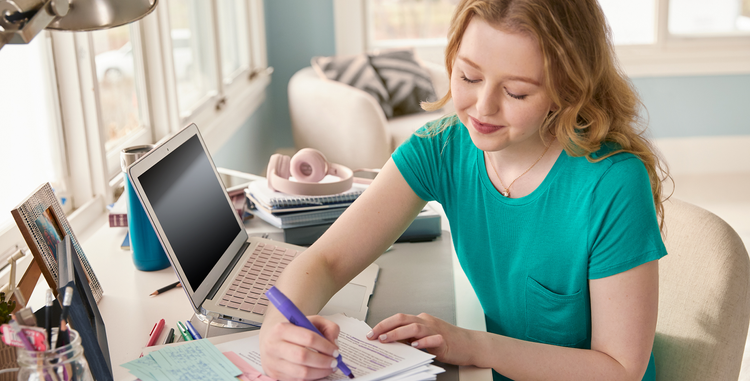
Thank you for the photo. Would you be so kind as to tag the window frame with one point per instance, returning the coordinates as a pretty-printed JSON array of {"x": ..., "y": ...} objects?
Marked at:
[
  {"x": 223, "y": 113},
  {"x": 671, "y": 55},
  {"x": 91, "y": 181}
]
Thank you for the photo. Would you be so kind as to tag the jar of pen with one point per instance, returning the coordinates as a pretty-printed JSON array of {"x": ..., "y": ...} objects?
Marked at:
[{"x": 65, "y": 363}]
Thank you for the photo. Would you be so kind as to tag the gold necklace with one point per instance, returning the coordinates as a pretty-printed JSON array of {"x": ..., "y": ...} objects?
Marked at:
[{"x": 506, "y": 193}]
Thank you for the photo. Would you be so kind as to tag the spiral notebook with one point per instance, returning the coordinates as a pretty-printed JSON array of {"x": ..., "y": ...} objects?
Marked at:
[
  {"x": 297, "y": 219},
  {"x": 278, "y": 202}
]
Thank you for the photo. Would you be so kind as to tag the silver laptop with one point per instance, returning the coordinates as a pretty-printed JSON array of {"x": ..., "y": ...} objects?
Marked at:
[{"x": 224, "y": 272}]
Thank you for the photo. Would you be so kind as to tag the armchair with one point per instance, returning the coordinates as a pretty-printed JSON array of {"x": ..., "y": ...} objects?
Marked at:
[
  {"x": 347, "y": 124},
  {"x": 704, "y": 304}
]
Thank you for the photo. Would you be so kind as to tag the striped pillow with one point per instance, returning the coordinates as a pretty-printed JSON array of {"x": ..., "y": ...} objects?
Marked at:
[{"x": 393, "y": 78}]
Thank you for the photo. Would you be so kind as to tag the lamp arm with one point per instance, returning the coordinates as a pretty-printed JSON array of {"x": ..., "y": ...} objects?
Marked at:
[
  {"x": 20, "y": 26},
  {"x": 21, "y": 20}
]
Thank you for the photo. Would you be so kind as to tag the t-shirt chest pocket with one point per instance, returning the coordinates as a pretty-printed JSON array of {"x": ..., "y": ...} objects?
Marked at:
[{"x": 554, "y": 318}]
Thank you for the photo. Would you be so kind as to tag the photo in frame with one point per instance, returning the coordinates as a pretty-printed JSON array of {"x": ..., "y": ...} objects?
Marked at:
[{"x": 43, "y": 224}]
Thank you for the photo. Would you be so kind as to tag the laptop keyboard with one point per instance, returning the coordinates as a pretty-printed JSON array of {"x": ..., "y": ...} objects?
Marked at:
[{"x": 248, "y": 290}]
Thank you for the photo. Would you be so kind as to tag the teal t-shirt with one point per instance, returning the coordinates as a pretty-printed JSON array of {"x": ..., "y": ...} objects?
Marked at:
[{"x": 529, "y": 259}]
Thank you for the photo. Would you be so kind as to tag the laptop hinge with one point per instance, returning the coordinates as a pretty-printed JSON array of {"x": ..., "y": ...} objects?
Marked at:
[{"x": 228, "y": 271}]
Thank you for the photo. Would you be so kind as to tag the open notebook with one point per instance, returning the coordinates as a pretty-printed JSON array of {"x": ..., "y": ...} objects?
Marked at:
[{"x": 224, "y": 272}]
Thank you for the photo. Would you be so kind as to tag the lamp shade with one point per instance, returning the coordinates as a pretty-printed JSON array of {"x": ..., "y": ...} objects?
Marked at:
[{"x": 86, "y": 15}]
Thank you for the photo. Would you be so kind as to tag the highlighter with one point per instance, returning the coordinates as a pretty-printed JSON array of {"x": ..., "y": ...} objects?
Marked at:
[{"x": 296, "y": 317}]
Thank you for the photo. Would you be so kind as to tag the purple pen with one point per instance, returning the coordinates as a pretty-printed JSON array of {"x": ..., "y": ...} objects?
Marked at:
[{"x": 296, "y": 317}]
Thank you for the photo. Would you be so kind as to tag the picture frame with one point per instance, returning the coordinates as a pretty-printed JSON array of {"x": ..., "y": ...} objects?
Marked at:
[
  {"x": 84, "y": 314},
  {"x": 43, "y": 224}
]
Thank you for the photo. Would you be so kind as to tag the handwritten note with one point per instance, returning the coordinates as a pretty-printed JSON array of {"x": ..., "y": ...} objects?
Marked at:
[{"x": 196, "y": 360}]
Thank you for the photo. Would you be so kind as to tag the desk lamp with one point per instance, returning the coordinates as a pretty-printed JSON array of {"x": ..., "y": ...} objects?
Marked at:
[{"x": 21, "y": 20}]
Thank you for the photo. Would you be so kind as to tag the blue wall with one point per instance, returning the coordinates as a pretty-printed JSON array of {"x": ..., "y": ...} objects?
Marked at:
[
  {"x": 249, "y": 148},
  {"x": 696, "y": 106},
  {"x": 297, "y": 30}
]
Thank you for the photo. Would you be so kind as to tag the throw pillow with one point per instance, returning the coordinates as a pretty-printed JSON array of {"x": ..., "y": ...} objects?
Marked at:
[
  {"x": 407, "y": 82},
  {"x": 354, "y": 71},
  {"x": 394, "y": 78}
]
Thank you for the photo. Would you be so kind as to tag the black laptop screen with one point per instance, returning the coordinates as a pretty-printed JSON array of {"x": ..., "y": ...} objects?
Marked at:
[{"x": 192, "y": 209}]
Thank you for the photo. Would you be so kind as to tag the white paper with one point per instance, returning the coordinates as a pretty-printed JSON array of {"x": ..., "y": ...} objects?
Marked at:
[{"x": 368, "y": 360}]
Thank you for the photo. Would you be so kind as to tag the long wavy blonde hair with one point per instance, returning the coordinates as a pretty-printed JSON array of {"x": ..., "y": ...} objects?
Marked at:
[{"x": 597, "y": 103}]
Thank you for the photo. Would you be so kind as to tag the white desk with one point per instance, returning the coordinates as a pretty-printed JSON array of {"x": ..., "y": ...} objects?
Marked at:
[{"x": 129, "y": 313}]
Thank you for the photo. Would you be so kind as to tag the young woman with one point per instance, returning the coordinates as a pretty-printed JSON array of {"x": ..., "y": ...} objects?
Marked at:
[{"x": 553, "y": 199}]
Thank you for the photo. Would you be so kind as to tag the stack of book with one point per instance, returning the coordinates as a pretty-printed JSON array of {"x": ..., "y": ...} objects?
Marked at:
[
  {"x": 118, "y": 212},
  {"x": 305, "y": 218}
]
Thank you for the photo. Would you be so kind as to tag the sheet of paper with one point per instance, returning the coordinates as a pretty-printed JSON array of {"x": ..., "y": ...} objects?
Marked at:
[
  {"x": 195, "y": 360},
  {"x": 368, "y": 360},
  {"x": 248, "y": 372}
]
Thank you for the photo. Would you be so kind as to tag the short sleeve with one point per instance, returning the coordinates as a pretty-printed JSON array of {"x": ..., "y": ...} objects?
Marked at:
[
  {"x": 418, "y": 160},
  {"x": 624, "y": 231}
]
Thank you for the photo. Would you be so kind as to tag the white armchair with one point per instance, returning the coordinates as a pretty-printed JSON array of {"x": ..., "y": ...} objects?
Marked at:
[
  {"x": 347, "y": 124},
  {"x": 704, "y": 297}
]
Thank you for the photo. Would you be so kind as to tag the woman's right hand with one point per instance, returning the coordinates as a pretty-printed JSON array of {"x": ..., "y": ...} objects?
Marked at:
[{"x": 291, "y": 353}]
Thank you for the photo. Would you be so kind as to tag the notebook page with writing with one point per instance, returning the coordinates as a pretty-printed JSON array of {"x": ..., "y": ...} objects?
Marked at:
[
  {"x": 195, "y": 360},
  {"x": 368, "y": 360}
]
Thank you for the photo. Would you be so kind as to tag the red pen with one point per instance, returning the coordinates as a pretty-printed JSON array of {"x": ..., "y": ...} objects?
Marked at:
[{"x": 155, "y": 333}]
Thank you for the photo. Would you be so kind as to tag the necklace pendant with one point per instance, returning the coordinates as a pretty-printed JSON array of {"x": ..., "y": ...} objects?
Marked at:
[{"x": 505, "y": 193}]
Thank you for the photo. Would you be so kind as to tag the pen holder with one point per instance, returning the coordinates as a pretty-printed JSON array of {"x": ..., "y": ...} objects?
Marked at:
[
  {"x": 148, "y": 254},
  {"x": 66, "y": 363}
]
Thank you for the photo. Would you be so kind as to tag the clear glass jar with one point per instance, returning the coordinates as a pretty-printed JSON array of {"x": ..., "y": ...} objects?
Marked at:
[{"x": 62, "y": 364}]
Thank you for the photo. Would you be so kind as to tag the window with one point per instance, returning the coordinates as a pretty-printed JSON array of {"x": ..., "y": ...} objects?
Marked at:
[
  {"x": 409, "y": 21},
  {"x": 233, "y": 37},
  {"x": 632, "y": 22},
  {"x": 121, "y": 103},
  {"x": 714, "y": 18},
  {"x": 217, "y": 63},
  {"x": 653, "y": 37},
  {"x": 193, "y": 52},
  {"x": 79, "y": 98},
  {"x": 30, "y": 147}
]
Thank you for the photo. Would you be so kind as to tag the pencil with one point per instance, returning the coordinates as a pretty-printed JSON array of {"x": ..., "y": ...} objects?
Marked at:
[
  {"x": 166, "y": 288},
  {"x": 63, "y": 336}
]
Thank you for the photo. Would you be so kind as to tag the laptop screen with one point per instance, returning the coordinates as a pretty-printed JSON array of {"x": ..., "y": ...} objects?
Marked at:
[{"x": 192, "y": 209}]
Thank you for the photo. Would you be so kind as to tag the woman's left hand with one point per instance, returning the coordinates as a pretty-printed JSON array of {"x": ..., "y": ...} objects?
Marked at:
[{"x": 449, "y": 344}]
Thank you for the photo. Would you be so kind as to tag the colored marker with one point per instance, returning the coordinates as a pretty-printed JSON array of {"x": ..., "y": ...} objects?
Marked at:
[
  {"x": 155, "y": 333},
  {"x": 170, "y": 337},
  {"x": 296, "y": 317},
  {"x": 183, "y": 331},
  {"x": 192, "y": 330}
]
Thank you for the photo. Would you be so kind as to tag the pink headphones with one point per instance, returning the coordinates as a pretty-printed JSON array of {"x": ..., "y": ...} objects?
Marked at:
[{"x": 308, "y": 167}]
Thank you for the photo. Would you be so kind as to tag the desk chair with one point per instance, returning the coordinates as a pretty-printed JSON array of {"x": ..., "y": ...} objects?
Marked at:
[
  {"x": 347, "y": 124},
  {"x": 704, "y": 302}
]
